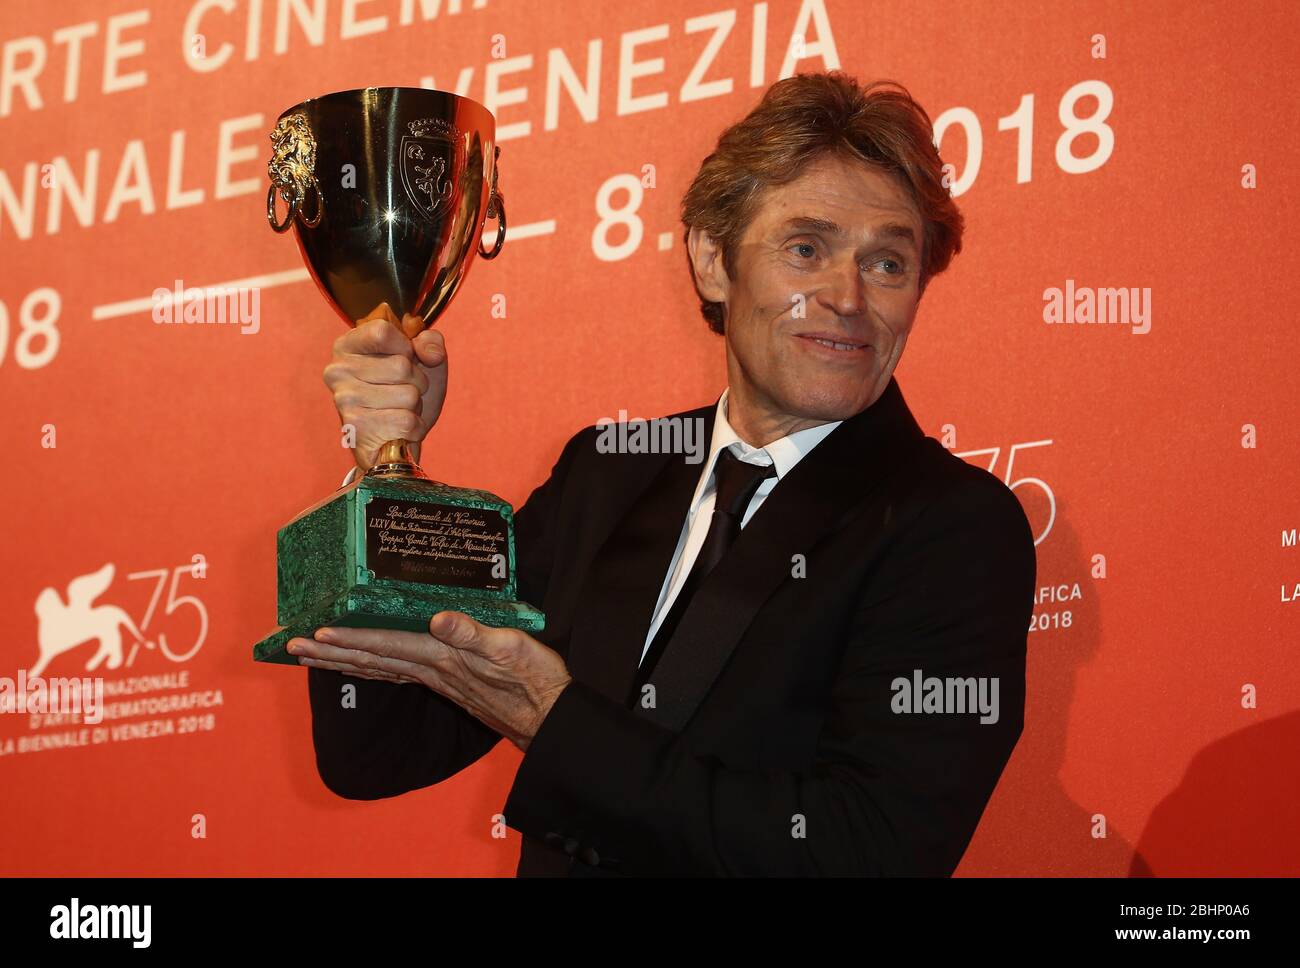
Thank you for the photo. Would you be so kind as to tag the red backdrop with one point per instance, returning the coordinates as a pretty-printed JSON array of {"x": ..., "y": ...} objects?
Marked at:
[{"x": 1094, "y": 146}]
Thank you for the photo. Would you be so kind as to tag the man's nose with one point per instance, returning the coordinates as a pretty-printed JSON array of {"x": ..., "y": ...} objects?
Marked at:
[{"x": 845, "y": 290}]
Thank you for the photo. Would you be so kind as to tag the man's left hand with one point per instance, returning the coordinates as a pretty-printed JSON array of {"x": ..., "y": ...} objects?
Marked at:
[{"x": 503, "y": 677}]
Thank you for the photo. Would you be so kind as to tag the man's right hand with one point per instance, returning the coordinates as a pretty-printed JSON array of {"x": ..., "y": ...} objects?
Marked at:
[{"x": 389, "y": 380}]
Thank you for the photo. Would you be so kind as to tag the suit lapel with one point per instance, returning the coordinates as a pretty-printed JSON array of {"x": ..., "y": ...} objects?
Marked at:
[
  {"x": 623, "y": 583},
  {"x": 825, "y": 486}
]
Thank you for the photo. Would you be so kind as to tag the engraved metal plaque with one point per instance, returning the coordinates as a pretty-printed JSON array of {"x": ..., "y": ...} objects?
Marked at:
[{"x": 437, "y": 544}]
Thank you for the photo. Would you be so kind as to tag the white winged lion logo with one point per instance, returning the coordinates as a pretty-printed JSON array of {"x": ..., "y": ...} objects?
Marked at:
[{"x": 63, "y": 627}]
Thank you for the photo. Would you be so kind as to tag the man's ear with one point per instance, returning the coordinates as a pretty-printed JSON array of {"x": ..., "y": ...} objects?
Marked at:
[{"x": 706, "y": 258}]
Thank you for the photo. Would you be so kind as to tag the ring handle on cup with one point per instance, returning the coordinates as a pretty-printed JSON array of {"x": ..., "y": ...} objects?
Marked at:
[
  {"x": 500, "y": 205},
  {"x": 311, "y": 223},
  {"x": 294, "y": 204},
  {"x": 295, "y": 209},
  {"x": 496, "y": 208}
]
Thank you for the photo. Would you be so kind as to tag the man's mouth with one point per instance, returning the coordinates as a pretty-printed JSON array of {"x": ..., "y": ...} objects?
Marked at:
[{"x": 832, "y": 341}]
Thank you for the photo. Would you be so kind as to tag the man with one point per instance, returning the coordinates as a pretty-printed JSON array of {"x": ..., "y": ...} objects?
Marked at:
[{"x": 735, "y": 675}]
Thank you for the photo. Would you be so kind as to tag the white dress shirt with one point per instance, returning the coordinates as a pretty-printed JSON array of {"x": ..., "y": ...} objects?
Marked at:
[{"x": 784, "y": 453}]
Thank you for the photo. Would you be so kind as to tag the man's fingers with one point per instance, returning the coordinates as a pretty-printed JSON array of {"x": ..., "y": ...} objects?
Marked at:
[
  {"x": 352, "y": 395},
  {"x": 430, "y": 348},
  {"x": 368, "y": 369},
  {"x": 406, "y": 653},
  {"x": 354, "y": 671},
  {"x": 376, "y": 337},
  {"x": 380, "y": 425},
  {"x": 349, "y": 660},
  {"x": 458, "y": 630}
]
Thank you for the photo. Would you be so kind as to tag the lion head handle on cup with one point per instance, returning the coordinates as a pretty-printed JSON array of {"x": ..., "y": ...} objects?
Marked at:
[{"x": 293, "y": 171}]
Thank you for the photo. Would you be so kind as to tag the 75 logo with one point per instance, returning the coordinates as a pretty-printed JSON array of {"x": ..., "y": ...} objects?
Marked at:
[
  {"x": 62, "y": 626},
  {"x": 993, "y": 453}
]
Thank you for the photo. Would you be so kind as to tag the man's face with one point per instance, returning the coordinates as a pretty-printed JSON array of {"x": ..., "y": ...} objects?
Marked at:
[{"x": 825, "y": 292}]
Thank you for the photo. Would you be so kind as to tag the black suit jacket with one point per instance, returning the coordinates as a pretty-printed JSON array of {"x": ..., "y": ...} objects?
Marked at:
[{"x": 773, "y": 747}]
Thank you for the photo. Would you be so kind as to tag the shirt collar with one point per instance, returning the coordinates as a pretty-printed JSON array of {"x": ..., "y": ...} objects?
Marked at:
[{"x": 784, "y": 452}]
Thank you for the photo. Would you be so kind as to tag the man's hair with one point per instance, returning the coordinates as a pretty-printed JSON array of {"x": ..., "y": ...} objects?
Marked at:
[{"x": 800, "y": 119}]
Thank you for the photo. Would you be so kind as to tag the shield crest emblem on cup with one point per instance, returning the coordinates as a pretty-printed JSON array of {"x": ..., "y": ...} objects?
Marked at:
[{"x": 430, "y": 162}]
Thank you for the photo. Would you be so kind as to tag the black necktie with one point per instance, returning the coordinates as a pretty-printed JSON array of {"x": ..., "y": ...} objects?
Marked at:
[{"x": 737, "y": 481}]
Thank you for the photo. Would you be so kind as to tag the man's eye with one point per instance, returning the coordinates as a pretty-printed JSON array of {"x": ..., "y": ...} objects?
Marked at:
[{"x": 812, "y": 249}]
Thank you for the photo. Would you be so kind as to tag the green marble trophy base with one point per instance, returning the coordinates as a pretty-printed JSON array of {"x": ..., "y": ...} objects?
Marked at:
[{"x": 392, "y": 552}]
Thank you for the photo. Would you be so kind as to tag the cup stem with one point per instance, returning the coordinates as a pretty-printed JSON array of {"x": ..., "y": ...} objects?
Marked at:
[{"x": 395, "y": 460}]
